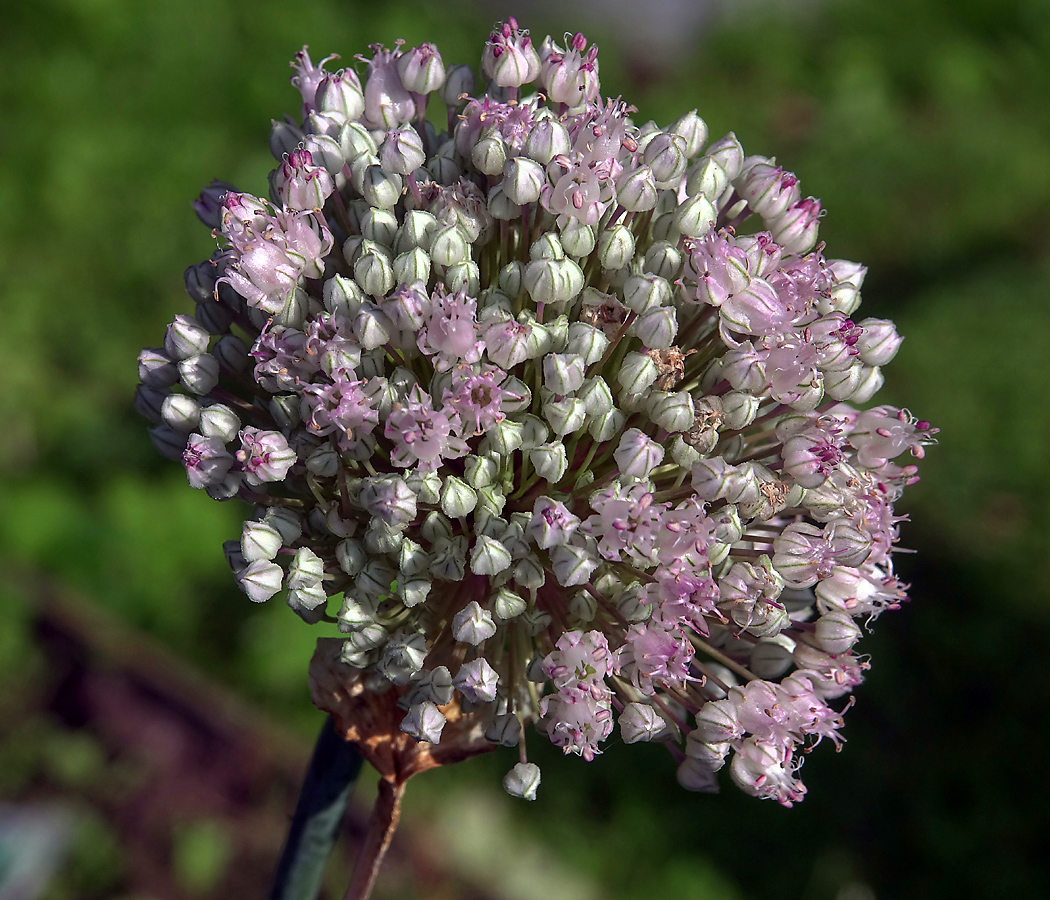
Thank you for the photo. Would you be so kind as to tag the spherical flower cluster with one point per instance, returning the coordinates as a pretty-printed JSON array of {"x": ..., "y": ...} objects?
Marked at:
[{"x": 553, "y": 413}]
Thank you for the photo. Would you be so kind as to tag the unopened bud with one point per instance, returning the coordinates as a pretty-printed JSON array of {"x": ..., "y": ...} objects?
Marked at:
[
  {"x": 522, "y": 781},
  {"x": 640, "y": 722}
]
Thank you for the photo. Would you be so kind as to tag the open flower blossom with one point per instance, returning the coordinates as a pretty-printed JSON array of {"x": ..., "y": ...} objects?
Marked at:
[{"x": 557, "y": 415}]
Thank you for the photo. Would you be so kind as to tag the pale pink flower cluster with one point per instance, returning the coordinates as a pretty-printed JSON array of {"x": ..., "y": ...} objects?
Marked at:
[{"x": 556, "y": 416}]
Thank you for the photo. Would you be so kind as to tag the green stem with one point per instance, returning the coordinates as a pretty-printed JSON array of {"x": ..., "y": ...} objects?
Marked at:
[{"x": 326, "y": 789}]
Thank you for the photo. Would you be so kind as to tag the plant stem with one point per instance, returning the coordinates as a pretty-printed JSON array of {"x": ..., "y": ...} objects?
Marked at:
[
  {"x": 333, "y": 771},
  {"x": 385, "y": 815}
]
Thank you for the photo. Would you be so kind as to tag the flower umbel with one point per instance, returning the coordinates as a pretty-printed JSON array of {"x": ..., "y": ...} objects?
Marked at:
[{"x": 555, "y": 414}]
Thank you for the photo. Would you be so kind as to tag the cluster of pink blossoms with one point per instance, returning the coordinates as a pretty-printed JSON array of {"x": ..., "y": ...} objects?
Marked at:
[{"x": 553, "y": 414}]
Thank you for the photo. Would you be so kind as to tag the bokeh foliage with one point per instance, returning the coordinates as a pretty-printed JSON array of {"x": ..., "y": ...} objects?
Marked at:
[{"x": 922, "y": 125}]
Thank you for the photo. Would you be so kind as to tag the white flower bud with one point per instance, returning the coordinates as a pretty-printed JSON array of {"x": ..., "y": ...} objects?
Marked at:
[
  {"x": 707, "y": 178},
  {"x": 412, "y": 266},
  {"x": 586, "y": 340},
  {"x": 645, "y": 292},
  {"x": 351, "y": 557},
  {"x": 553, "y": 280},
  {"x": 565, "y": 416},
  {"x": 306, "y": 568},
  {"x": 836, "y": 632},
  {"x": 663, "y": 259},
  {"x": 728, "y": 153},
  {"x": 559, "y": 332},
  {"x": 457, "y": 498},
  {"x": 373, "y": 271},
  {"x": 693, "y": 131},
  {"x": 771, "y": 657},
  {"x": 504, "y": 730},
  {"x": 709, "y": 478},
  {"x": 380, "y": 188},
  {"x": 739, "y": 409},
  {"x": 403, "y": 656},
  {"x": 596, "y": 396},
  {"x": 199, "y": 374},
  {"x": 450, "y": 245},
  {"x": 260, "y": 541},
  {"x": 435, "y": 685},
  {"x": 572, "y": 565},
  {"x": 615, "y": 247},
  {"x": 563, "y": 372},
  {"x": 549, "y": 461},
  {"x": 413, "y": 591},
  {"x": 472, "y": 624},
  {"x": 508, "y": 605},
  {"x": 424, "y": 722},
  {"x": 412, "y": 558},
  {"x": 577, "y": 238},
  {"x": 505, "y": 437},
  {"x": 464, "y": 276},
  {"x": 522, "y": 180},
  {"x": 481, "y": 471},
  {"x": 375, "y": 578},
  {"x": 878, "y": 342},
  {"x": 842, "y": 384},
  {"x": 355, "y": 140},
  {"x": 286, "y": 521},
  {"x": 489, "y": 155},
  {"x": 185, "y": 337},
  {"x": 436, "y": 527},
  {"x": 522, "y": 781},
  {"x": 181, "y": 413},
  {"x": 355, "y": 612},
  {"x": 538, "y": 340},
  {"x": 529, "y": 573},
  {"x": 477, "y": 681},
  {"x": 605, "y": 426},
  {"x": 417, "y": 230},
  {"x": 640, "y": 722},
  {"x": 459, "y": 80},
  {"x": 694, "y": 775},
  {"x": 261, "y": 580},
  {"x": 672, "y": 412},
  {"x": 695, "y": 216},
  {"x": 547, "y": 139},
  {"x": 421, "y": 69},
  {"x": 637, "y": 373},
  {"x": 534, "y": 431},
  {"x": 871, "y": 380},
  {"x": 657, "y": 328},
  {"x": 582, "y": 607},
  {"x": 308, "y": 601},
  {"x": 218, "y": 421},
  {"x": 683, "y": 454},
  {"x": 637, "y": 454},
  {"x": 665, "y": 155},
  {"x": 379, "y": 225},
  {"x": 717, "y": 722},
  {"x": 488, "y": 556},
  {"x": 712, "y": 756},
  {"x": 500, "y": 206}
]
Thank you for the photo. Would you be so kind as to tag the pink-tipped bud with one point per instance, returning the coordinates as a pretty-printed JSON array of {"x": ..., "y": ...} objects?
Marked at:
[
  {"x": 421, "y": 69},
  {"x": 509, "y": 59}
]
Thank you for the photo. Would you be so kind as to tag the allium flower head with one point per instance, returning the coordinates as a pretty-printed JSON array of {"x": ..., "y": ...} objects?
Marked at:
[{"x": 557, "y": 416}]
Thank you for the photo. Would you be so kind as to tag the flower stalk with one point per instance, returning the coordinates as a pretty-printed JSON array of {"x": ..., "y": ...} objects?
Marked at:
[{"x": 326, "y": 789}]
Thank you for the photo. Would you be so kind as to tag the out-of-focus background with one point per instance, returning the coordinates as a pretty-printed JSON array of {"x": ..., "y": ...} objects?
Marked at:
[{"x": 154, "y": 723}]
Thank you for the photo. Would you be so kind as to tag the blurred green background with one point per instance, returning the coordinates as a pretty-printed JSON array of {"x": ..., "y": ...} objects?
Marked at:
[{"x": 924, "y": 127}]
